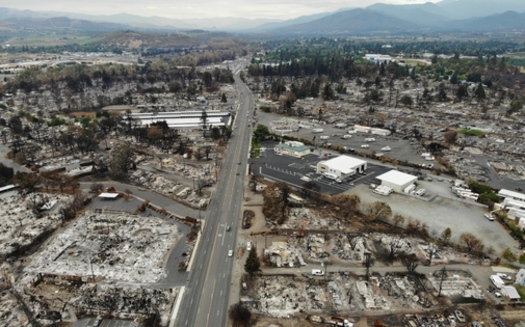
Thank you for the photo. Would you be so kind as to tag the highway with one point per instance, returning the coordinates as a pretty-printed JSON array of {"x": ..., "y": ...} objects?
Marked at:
[{"x": 205, "y": 301}]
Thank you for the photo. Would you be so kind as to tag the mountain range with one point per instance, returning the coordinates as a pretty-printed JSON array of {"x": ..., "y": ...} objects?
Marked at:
[{"x": 380, "y": 18}]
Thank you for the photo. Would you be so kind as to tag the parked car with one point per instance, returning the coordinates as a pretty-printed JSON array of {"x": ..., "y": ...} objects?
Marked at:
[
  {"x": 317, "y": 272},
  {"x": 489, "y": 216},
  {"x": 230, "y": 253},
  {"x": 249, "y": 246}
]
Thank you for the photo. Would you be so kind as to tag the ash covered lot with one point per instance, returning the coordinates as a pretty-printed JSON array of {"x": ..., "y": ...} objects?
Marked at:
[
  {"x": 440, "y": 213},
  {"x": 121, "y": 247},
  {"x": 23, "y": 222}
]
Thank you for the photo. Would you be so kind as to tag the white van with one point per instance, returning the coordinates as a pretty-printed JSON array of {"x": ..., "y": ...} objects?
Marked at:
[{"x": 317, "y": 272}]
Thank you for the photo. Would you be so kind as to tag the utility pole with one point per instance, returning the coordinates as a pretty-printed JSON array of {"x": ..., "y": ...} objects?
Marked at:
[{"x": 368, "y": 264}]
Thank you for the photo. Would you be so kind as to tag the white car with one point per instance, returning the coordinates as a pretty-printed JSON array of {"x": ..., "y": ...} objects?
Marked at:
[
  {"x": 365, "y": 146},
  {"x": 230, "y": 253},
  {"x": 489, "y": 216},
  {"x": 249, "y": 246}
]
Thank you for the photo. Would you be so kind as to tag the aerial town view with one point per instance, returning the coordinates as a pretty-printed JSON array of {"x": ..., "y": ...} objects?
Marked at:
[{"x": 251, "y": 164}]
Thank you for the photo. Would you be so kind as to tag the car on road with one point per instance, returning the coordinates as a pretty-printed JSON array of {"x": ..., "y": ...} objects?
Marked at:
[
  {"x": 365, "y": 146},
  {"x": 229, "y": 228},
  {"x": 237, "y": 174},
  {"x": 142, "y": 189},
  {"x": 239, "y": 163},
  {"x": 230, "y": 253},
  {"x": 489, "y": 216},
  {"x": 317, "y": 272}
]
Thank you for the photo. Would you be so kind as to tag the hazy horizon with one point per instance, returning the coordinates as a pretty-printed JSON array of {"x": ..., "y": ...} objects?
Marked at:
[{"x": 253, "y": 9}]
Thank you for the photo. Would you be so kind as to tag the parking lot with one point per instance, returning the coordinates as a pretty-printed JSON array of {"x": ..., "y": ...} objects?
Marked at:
[
  {"x": 291, "y": 170},
  {"x": 440, "y": 213},
  {"x": 401, "y": 149}
]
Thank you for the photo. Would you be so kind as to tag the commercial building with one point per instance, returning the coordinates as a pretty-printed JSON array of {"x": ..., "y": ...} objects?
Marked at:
[
  {"x": 292, "y": 148},
  {"x": 511, "y": 195},
  {"x": 510, "y": 293},
  {"x": 397, "y": 180},
  {"x": 520, "y": 277},
  {"x": 342, "y": 166},
  {"x": 183, "y": 119}
]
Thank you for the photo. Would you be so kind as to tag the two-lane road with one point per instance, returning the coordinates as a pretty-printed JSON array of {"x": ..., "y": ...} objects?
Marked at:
[{"x": 205, "y": 302}]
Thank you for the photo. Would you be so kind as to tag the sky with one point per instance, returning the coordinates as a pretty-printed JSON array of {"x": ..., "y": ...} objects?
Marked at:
[{"x": 185, "y": 9}]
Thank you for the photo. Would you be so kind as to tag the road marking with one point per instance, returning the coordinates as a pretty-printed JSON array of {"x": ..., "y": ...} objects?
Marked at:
[{"x": 212, "y": 292}]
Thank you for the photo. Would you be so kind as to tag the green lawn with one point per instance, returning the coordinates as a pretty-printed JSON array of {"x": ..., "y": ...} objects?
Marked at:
[{"x": 471, "y": 132}]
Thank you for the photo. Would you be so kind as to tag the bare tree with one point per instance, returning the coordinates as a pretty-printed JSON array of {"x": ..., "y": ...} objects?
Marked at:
[
  {"x": 472, "y": 242},
  {"x": 410, "y": 261},
  {"x": 378, "y": 210},
  {"x": 398, "y": 219},
  {"x": 442, "y": 274}
]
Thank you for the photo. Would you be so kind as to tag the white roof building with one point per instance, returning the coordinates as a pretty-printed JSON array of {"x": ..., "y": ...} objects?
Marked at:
[
  {"x": 511, "y": 195},
  {"x": 292, "y": 148},
  {"x": 184, "y": 119},
  {"x": 397, "y": 180},
  {"x": 520, "y": 277},
  {"x": 342, "y": 166},
  {"x": 108, "y": 195},
  {"x": 510, "y": 293}
]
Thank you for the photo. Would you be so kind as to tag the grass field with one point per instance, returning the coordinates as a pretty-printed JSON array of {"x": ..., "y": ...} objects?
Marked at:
[{"x": 471, "y": 132}]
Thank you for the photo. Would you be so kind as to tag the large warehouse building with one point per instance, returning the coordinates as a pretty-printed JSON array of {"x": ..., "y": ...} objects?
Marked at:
[
  {"x": 183, "y": 119},
  {"x": 397, "y": 180},
  {"x": 342, "y": 166}
]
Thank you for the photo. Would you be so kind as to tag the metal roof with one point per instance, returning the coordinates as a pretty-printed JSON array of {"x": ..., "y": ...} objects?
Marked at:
[
  {"x": 396, "y": 177},
  {"x": 344, "y": 163}
]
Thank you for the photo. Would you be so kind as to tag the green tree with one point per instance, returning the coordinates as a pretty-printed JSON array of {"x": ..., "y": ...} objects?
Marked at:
[
  {"x": 446, "y": 235},
  {"x": 261, "y": 133},
  {"x": 508, "y": 255},
  {"x": 328, "y": 92},
  {"x": 6, "y": 174},
  {"x": 253, "y": 264},
  {"x": 480, "y": 92},
  {"x": 120, "y": 161},
  {"x": 239, "y": 314}
]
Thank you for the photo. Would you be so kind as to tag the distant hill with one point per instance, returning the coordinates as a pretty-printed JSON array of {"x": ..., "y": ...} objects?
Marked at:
[
  {"x": 506, "y": 21},
  {"x": 290, "y": 22},
  {"x": 354, "y": 21},
  {"x": 57, "y": 24},
  {"x": 464, "y": 9},
  {"x": 423, "y": 14}
]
